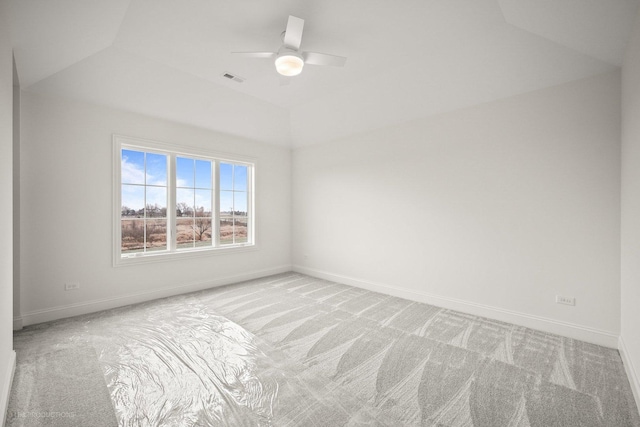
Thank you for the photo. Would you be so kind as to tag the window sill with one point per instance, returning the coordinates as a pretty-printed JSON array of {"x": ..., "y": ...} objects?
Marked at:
[{"x": 181, "y": 255}]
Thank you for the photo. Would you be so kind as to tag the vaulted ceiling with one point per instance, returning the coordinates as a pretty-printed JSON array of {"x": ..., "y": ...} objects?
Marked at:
[{"x": 406, "y": 59}]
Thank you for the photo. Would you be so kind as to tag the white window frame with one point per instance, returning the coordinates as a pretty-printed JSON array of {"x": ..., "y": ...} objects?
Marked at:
[{"x": 172, "y": 151}]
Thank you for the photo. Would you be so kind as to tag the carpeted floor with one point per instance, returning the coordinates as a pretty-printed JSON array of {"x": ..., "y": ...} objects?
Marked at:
[
  {"x": 292, "y": 350},
  {"x": 50, "y": 389}
]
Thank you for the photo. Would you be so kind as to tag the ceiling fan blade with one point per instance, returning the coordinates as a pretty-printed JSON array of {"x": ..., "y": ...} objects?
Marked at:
[
  {"x": 316, "y": 58},
  {"x": 266, "y": 55},
  {"x": 293, "y": 33}
]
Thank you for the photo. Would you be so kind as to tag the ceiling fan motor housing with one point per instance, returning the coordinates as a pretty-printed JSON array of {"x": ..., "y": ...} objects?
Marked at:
[{"x": 289, "y": 62}]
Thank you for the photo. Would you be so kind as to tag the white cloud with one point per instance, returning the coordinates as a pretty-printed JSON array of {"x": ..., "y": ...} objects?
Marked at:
[
  {"x": 133, "y": 196},
  {"x": 131, "y": 173}
]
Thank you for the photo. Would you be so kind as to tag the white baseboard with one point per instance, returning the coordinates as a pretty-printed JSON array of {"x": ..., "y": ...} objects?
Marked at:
[
  {"x": 579, "y": 332},
  {"x": 10, "y": 369},
  {"x": 17, "y": 323},
  {"x": 60, "y": 312},
  {"x": 632, "y": 374}
]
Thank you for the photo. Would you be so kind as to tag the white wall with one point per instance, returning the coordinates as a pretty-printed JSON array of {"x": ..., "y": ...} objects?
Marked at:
[
  {"x": 7, "y": 356},
  {"x": 493, "y": 209},
  {"x": 630, "y": 336},
  {"x": 66, "y": 211},
  {"x": 16, "y": 195}
]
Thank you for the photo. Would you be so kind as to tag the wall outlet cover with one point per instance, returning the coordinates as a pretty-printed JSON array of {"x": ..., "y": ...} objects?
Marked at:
[
  {"x": 70, "y": 286},
  {"x": 565, "y": 300}
]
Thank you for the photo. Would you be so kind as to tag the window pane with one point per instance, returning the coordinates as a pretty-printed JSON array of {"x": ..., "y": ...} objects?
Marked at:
[
  {"x": 156, "y": 235},
  {"x": 202, "y": 230},
  {"x": 240, "y": 203},
  {"x": 203, "y": 174},
  {"x": 132, "y": 198},
  {"x": 226, "y": 202},
  {"x": 226, "y": 176},
  {"x": 184, "y": 202},
  {"x": 240, "y": 178},
  {"x": 240, "y": 230},
  {"x": 132, "y": 235},
  {"x": 132, "y": 167},
  {"x": 184, "y": 172},
  {"x": 203, "y": 203},
  {"x": 156, "y": 202},
  {"x": 184, "y": 233},
  {"x": 156, "y": 169},
  {"x": 226, "y": 231}
]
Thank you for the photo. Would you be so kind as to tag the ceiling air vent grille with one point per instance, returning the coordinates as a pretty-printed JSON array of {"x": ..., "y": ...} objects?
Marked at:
[{"x": 233, "y": 77}]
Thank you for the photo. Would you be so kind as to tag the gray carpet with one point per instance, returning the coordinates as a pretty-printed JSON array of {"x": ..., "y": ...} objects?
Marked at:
[
  {"x": 291, "y": 350},
  {"x": 60, "y": 388}
]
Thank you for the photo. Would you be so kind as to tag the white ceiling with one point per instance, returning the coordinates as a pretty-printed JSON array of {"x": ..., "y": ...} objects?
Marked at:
[{"x": 406, "y": 59}]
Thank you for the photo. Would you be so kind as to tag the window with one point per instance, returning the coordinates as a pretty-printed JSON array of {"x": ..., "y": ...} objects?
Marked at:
[
  {"x": 194, "y": 202},
  {"x": 143, "y": 209},
  {"x": 171, "y": 201},
  {"x": 234, "y": 199}
]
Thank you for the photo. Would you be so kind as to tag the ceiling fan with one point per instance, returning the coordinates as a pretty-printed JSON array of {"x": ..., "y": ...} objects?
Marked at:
[{"x": 289, "y": 59}]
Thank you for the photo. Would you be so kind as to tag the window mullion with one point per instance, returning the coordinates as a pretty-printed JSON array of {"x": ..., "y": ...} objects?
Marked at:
[
  {"x": 215, "y": 214},
  {"x": 144, "y": 208},
  {"x": 250, "y": 225},
  {"x": 233, "y": 205},
  {"x": 171, "y": 204}
]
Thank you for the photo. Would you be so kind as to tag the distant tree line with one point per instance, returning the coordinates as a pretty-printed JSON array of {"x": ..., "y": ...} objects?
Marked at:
[
  {"x": 153, "y": 211},
  {"x": 182, "y": 210}
]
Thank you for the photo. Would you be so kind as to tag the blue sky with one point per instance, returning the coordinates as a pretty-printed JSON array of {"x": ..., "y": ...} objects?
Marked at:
[
  {"x": 133, "y": 168},
  {"x": 193, "y": 179},
  {"x": 233, "y": 187},
  {"x": 133, "y": 172},
  {"x": 192, "y": 171}
]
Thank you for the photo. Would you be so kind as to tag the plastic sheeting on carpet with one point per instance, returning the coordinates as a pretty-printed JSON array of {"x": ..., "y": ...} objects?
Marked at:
[
  {"x": 175, "y": 362},
  {"x": 180, "y": 365}
]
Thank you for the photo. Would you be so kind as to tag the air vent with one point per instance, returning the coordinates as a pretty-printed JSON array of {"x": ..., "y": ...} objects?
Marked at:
[{"x": 233, "y": 77}]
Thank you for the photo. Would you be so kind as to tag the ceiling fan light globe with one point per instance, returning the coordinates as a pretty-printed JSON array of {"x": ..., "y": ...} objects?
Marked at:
[{"x": 289, "y": 65}]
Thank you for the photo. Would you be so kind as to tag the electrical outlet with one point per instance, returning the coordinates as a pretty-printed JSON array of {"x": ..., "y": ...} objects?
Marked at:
[
  {"x": 71, "y": 286},
  {"x": 565, "y": 300}
]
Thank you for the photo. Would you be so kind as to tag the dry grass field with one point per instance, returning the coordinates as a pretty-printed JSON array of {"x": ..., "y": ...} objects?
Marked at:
[{"x": 190, "y": 232}]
